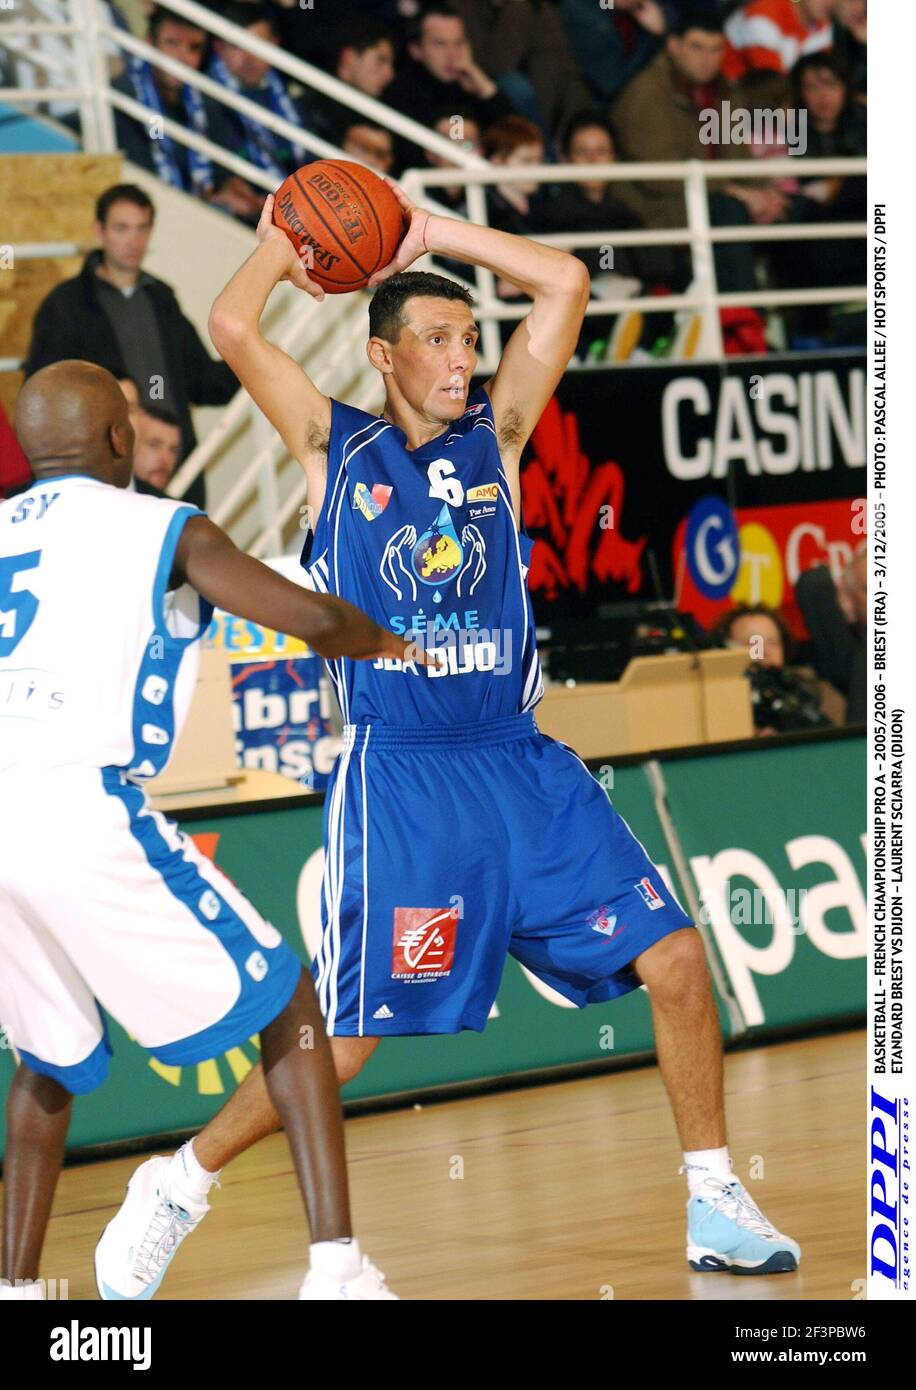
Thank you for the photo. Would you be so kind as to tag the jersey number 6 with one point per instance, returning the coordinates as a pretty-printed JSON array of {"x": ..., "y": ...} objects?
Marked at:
[{"x": 441, "y": 485}]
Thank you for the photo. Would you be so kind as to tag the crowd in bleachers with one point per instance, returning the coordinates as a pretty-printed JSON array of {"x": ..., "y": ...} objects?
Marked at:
[
  {"x": 520, "y": 83},
  {"x": 543, "y": 81}
]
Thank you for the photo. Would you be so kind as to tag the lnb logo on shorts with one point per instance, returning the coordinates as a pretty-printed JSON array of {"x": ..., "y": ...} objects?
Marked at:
[
  {"x": 256, "y": 965},
  {"x": 209, "y": 905},
  {"x": 424, "y": 942},
  {"x": 650, "y": 897}
]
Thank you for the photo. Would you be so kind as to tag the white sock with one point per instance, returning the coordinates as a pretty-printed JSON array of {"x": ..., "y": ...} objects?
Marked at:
[
  {"x": 187, "y": 1175},
  {"x": 700, "y": 1164},
  {"x": 337, "y": 1259},
  {"x": 31, "y": 1289}
]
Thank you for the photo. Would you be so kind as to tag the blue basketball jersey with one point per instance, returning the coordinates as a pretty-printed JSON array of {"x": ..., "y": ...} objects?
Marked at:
[{"x": 425, "y": 542}]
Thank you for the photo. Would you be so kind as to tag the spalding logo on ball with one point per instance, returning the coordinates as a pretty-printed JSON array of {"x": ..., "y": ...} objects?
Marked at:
[{"x": 347, "y": 215}]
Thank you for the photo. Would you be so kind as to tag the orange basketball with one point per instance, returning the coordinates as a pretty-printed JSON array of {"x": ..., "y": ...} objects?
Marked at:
[{"x": 347, "y": 215}]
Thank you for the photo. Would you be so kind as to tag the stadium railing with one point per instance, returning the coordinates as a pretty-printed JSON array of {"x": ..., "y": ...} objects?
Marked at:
[{"x": 86, "y": 82}]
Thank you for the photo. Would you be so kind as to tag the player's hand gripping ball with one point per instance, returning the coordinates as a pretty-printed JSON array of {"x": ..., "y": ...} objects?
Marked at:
[{"x": 349, "y": 219}]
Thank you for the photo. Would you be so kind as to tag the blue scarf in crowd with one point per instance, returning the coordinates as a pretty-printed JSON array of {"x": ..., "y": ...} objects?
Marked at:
[
  {"x": 262, "y": 143},
  {"x": 163, "y": 150}
]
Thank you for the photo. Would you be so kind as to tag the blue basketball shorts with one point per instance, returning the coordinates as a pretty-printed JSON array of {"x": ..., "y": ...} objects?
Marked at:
[{"x": 447, "y": 849}]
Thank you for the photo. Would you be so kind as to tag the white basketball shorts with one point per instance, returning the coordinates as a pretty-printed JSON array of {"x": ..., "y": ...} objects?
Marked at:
[{"x": 104, "y": 901}]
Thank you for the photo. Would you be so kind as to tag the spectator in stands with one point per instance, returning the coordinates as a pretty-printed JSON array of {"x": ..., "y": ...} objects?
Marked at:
[
  {"x": 115, "y": 314},
  {"x": 442, "y": 73},
  {"x": 611, "y": 44},
  {"x": 461, "y": 127},
  {"x": 760, "y": 631},
  {"x": 174, "y": 163},
  {"x": 131, "y": 393},
  {"x": 370, "y": 143},
  {"x": 836, "y": 128},
  {"x": 774, "y": 34},
  {"x": 314, "y": 37},
  {"x": 363, "y": 58},
  {"x": 249, "y": 76},
  {"x": 157, "y": 449},
  {"x": 836, "y": 616},
  {"x": 595, "y": 206},
  {"x": 512, "y": 142},
  {"x": 783, "y": 701},
  {"x": 523, "y": 47},
  {"x": 850, "y": 44},
  {"x": 15, "y": 471},
  {"x": 657, "y": 118}
]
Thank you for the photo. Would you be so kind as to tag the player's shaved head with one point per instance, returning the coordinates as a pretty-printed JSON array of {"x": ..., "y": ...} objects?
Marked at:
[{"x": 72, "y": 417}]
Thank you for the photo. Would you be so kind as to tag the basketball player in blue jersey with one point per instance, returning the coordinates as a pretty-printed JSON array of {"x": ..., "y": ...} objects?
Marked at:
[
  {"x": 103, "y": 596},
  {"x": 455, "y": 832}
]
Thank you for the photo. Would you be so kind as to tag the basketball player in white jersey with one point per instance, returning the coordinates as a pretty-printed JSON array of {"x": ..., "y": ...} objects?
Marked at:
[
  {"x": 103, "y": 902},
  {"x": 418, "y": 519}
]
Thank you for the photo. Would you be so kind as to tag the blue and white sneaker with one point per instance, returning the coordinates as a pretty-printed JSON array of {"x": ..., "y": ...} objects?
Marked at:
[
  {"x": 726, "y": 1230},
  {"x": 138, "y": 1244}
]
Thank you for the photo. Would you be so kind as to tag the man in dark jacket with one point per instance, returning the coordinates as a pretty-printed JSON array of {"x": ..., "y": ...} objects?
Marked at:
[
  {"x": 442, "y": 74},
  {"x": 116, "y": 315}
]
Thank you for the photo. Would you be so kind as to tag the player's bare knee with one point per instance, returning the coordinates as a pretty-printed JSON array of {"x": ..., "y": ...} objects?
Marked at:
[
  {"x": 351, "y": 1055},
  {"x": 675, "y": 966}
]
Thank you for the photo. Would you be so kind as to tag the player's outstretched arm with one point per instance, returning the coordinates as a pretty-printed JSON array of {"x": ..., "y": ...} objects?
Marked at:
[
  {"x": 241, "y": 585},
  {"x": 298, "y": 411}
]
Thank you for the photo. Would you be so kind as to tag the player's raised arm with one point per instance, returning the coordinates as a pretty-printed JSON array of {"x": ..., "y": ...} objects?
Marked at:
[
  {"x": 239, "y": 584},
  {"x": 298, "y": 411},
  {"x": 538, "y": 353}
]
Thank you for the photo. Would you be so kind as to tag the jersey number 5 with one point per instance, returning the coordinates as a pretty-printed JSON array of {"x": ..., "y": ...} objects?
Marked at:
[
  {"x": 17, "y": 606},
  {"x": 441, "y": 485}
]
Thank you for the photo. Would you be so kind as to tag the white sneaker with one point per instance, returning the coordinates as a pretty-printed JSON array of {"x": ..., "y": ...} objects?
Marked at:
[
  {"x": 369, "y": 1284},
  {"x": 137, "y": 1246}
]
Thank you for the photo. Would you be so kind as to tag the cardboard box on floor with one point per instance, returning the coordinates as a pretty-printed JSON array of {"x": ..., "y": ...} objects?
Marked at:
[{"x": 672, "y": 701}]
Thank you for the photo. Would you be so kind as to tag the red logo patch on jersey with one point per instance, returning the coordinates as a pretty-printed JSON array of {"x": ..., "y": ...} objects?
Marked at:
[{"x": 423, "y": 947}]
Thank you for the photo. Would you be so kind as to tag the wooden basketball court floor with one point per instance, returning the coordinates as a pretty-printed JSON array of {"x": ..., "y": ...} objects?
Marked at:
[{"x": 569, "y": 1191}]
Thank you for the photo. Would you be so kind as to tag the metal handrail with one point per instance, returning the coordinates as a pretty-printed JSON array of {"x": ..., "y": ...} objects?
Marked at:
[{"x": 98, "y": 101}]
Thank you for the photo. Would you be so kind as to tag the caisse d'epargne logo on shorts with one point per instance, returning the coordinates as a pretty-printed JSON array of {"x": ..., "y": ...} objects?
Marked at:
[{"x": 423, "y": 946}]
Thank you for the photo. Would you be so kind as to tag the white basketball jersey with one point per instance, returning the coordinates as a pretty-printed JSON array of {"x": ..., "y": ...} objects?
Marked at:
[{"x": 97, "y": 658}]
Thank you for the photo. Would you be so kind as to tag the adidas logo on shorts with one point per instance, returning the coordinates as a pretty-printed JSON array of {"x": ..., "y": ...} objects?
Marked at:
[{"x": 383, "y": 1012}]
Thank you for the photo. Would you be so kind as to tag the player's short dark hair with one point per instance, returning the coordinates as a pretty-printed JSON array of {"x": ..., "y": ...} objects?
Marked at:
[
  {"x": 244, "y": 15},
  {"x": 703, "y": 17},
  {"x": 584, "y": 120},
  {"x": 160, "y": 413},
  {"x": 160, "y": 15},
  {"x": 360, "y": 32},
  {"x": 443, "y": 8},
  {"x": 123, "y": 193},
  {"x": 386, "y": 318}
]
